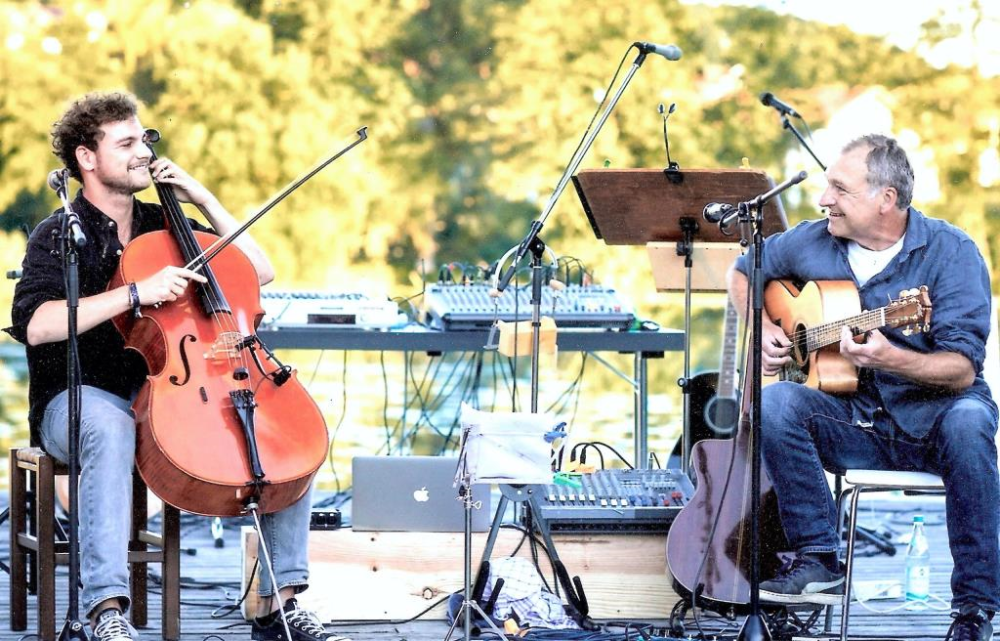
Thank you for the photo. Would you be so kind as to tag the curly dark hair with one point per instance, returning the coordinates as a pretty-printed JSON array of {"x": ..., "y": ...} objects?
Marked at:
[{"x": 81, "y": 124}]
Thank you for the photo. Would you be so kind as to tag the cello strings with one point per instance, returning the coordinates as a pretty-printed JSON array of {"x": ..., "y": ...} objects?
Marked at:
[
  {"x": 226, "y": 327},
  {"x": 189, "y": 246}
]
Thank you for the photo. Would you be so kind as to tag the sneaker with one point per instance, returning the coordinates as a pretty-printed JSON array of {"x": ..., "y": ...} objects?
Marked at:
[
  {"x": 804, "y": 580},
  {"x": 970, "y": 624},
  {"x": 113, "y": 626},
  {"x": 303, "y": 624}
]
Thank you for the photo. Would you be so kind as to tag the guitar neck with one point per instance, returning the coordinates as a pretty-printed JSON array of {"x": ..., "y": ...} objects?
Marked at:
[
  {"x": 726, "y": 387},
  {"x": 820, "y": 336}
]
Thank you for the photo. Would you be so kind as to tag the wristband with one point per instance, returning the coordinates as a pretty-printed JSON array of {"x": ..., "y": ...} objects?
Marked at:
[{"x": 133, "y": 299}]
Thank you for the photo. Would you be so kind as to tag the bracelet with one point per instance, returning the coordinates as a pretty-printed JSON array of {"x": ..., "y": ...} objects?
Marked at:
[{"x": 133, "y": 300}]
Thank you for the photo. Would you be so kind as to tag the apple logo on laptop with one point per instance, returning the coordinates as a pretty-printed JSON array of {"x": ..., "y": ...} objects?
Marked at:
[{"x": 421, "y": 495}]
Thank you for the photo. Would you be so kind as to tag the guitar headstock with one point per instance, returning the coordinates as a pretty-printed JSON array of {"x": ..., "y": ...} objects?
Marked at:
[{"x": 911, "y": 311}]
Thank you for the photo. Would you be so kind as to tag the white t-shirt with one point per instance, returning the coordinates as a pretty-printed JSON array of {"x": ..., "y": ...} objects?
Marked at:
[{"x": 867, "y": 262}]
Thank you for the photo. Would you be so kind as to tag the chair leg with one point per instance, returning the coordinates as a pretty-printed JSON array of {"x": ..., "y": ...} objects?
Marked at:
[
  {"x": 845, "y": 607},
  {"x": 46, "y": 557},
  {"x": 18, "y": 558},
  {"x": 838, "y": 487},
  {"x": 138, "y": 572},
  {"x": 171, "y": 571}
]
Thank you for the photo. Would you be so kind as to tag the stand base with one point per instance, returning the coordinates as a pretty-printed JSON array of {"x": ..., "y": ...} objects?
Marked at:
[
  {"x": 469, "y": 608},
  {"x": 74, "y": 630},
  {"x": 754, "y": 629}
]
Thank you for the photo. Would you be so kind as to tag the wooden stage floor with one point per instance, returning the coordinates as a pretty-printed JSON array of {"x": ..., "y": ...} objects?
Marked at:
[{"x": 211, "y": 585}]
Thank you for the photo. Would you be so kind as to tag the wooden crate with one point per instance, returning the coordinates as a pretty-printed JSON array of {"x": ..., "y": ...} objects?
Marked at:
[{"x": 396, "y": 575}]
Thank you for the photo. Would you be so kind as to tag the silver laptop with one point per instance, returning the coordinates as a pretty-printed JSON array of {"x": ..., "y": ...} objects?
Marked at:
[{"x": 413, "y": 494}]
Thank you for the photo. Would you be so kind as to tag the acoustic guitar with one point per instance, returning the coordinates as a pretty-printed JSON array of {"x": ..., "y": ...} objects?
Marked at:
[
  {"x": 812, "y": 317},
  {"x": 708, "y": 547}
]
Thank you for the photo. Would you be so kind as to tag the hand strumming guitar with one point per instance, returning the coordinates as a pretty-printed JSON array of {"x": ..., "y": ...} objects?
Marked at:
[{"x": 776, "y": 348}]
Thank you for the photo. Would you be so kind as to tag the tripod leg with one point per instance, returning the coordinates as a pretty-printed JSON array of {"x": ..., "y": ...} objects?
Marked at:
[
  {"x": 495, "y": 529},
  {"x": 574, "y": 589},
  {"x": 266, "y": 555}
]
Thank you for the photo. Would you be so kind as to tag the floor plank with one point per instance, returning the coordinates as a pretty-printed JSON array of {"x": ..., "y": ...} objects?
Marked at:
[{"x": 211, "y": 578}]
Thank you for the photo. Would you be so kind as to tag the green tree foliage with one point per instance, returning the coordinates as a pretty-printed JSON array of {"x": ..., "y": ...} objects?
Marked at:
[{"x": 473, "y": 107}]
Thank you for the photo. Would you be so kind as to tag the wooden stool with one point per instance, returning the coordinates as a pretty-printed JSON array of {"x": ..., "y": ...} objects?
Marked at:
[{"x": 32, "y": 537}]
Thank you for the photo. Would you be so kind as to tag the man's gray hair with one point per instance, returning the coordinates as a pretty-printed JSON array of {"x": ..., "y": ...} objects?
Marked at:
[{"x": 888, "y": 166}]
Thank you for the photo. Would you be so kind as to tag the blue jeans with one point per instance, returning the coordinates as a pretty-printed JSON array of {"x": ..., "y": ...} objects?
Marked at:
[
  {"x": 805, "y": 431},
  {"x": 107, "y": 456}
]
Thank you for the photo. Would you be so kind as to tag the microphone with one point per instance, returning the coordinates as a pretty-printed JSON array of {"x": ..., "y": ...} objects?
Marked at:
[
  {"x": 57, "y": 181},
  {"x": 768, "y": 100},
  {"x": 665, "y": 113},
  {"x": 715, "y": 212},
  {"x": 730, "y": 213},
  {"x": 670, "y": 52}
]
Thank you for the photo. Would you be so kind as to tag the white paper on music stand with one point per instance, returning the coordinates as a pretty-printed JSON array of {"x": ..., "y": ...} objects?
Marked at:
[{"x": 505, "y": 447}]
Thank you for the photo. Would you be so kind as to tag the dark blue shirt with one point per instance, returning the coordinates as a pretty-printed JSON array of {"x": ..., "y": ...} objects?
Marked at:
[{"x": 935, "y": 253}]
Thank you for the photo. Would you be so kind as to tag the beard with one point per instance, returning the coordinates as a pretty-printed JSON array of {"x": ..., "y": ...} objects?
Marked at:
[{"x": 126, "y": 183}]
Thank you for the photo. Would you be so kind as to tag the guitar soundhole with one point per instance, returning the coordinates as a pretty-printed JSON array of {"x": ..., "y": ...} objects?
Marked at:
[
  {"x": 721, "y": 415},
  {"x": 800, "y": 348}
]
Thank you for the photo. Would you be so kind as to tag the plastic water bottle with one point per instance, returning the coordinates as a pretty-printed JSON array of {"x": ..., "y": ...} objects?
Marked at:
[{"x": 918, "y": 563}]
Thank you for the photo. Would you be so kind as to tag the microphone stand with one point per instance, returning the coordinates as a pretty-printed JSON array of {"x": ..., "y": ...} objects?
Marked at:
[
  {"x": 574, "y": 164},
  {"x": 787, "y": 124},
  {"x": 534, "y": 244},
  {"x": 752, "y": 212},
  {"x": 754, "y": 627},
  {"x": 73, "y": 627}
]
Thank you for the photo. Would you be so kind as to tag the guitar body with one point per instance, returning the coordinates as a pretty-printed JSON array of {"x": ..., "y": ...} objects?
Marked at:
[
  {"x": 723, "y": 583},
  {"x": 795, "y": 310}
]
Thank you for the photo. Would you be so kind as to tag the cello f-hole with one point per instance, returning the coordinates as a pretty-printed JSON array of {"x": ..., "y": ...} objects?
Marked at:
[{"x": 187, "y": 338}]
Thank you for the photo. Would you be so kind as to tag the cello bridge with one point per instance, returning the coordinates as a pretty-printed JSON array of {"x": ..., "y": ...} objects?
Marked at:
[{"x": 226, "y": 346}]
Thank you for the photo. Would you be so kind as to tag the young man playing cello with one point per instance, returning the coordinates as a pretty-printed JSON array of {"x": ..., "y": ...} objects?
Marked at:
[
  {"x": 100, "y": 140},
  {"x": 921, "y": 403}
]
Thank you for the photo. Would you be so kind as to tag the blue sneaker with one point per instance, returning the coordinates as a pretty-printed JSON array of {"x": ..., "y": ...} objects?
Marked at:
[
  {"x": 804, "y": 579},
  {"x": 971, "y": 624}
]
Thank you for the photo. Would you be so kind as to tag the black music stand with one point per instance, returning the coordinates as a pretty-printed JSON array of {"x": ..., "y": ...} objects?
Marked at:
[{"x": 645, "y": 206}]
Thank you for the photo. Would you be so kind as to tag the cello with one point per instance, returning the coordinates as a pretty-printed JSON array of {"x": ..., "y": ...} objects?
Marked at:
[{"x": 220, "y": 423}]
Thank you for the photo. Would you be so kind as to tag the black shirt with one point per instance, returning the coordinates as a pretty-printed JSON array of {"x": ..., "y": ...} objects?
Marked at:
[{"x": 104, "y": 361}]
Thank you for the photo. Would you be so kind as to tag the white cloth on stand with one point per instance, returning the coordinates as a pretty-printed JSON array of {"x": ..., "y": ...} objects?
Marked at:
[{"x": 505, "y": 447}]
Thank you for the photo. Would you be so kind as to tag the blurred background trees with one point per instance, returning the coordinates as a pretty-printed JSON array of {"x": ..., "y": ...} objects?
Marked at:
[{"x": 473, "y": 108}]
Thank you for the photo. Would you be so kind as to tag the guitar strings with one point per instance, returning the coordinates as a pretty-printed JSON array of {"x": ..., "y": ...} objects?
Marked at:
[{"x": 829, "y": 333}]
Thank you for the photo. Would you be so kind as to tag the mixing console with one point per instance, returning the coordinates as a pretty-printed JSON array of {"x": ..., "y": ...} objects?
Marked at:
[
  {"x": 469, "y": 307},
  {"x": 616, "y": 501}
]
